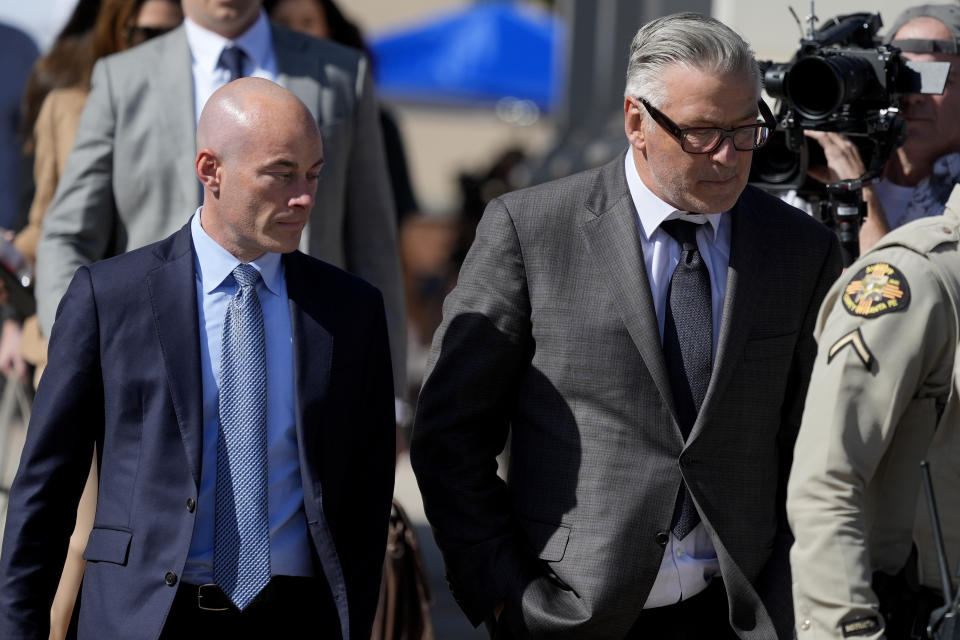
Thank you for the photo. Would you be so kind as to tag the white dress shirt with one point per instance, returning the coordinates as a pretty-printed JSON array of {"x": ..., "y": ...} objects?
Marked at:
[
  {"x": 206, "y": 47},
  {"x": 689, "y": 564}
]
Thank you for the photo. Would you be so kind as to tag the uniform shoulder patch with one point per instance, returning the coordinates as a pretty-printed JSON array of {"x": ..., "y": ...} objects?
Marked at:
[
  {"x": 862, "y": 626},
  {"x": 876, "y": 289}
]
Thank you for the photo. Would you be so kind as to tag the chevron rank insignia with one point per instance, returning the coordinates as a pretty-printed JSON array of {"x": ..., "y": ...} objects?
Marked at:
[
  {"x": 855, "y": 341},
  {"x": 876, "y": 289}
]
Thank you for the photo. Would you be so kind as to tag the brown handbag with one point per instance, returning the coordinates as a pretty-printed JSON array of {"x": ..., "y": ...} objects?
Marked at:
[{"x": 403, "y": 612}]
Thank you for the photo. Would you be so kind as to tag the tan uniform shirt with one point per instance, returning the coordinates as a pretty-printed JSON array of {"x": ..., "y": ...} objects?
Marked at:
[{"x": 883, "y": 397}]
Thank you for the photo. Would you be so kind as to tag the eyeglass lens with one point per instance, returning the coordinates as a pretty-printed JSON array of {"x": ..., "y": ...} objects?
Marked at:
[{"x": 745, "y": 138}]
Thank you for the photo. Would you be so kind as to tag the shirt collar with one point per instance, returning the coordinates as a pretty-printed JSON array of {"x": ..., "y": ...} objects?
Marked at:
[
  {"x": 206, "y": 46},
  {"x": 215, "y": 264},
  {"x": 652, "y": 210}
]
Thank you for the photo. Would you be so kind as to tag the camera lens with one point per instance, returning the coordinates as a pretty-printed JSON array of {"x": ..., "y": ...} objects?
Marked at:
[{"x": 819, "y": 85}]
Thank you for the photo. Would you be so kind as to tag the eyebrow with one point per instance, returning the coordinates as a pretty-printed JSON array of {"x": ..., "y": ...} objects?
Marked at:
[
  {"x": 710, "y": 124},
  {"x": 284, "y": 162}
]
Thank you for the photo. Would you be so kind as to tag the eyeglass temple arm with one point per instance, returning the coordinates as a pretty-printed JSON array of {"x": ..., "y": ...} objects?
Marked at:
[{"x": 767, "y": 115}]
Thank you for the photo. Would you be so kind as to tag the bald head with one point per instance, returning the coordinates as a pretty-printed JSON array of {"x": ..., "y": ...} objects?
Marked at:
[
  {"x": 259, "y": 156},
  {"x": 246, "y": 109}
]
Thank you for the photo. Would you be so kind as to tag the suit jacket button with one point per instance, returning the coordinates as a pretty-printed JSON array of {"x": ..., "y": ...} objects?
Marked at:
[
  {"x": 170, "y": 578},
  {"x": 191, "y": 504},
  {"x": 662, "y": 538}
]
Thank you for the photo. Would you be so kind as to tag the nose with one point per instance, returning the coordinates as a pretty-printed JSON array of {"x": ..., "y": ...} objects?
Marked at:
[
  {"x": 726, "y": 153},
  {"x": 303, "y": 200},
  {"x": 304, "y": 195}
]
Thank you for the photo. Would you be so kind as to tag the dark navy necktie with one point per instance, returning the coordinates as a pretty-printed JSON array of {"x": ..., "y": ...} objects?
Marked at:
[
  {"x": 241, "y": 550},
  {"x": 231, "y": 59},
  {"x": 687, "y": 347}
]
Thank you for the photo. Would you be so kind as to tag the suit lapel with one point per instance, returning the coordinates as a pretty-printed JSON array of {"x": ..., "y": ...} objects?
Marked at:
[
  {"x": 175, "y": 106},
  {"x": 312, "y": 355},
  {"x": 312, "y": 358},
  {"x": 298, "y": 72},
  {"x": 173, "y": 296},
  {"x": 612, "y": 236},
  {"x": 745, "y": 285}
]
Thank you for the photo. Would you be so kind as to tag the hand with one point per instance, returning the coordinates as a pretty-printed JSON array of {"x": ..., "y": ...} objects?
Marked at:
[
  {"x": 843, "y": 157},
  {"x": 11, "y": 362},
  {"x": 497, "y": 611}
]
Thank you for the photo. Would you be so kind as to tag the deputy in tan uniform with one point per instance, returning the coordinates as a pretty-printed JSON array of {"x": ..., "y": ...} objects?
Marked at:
[{"x": 882, "y": 397}]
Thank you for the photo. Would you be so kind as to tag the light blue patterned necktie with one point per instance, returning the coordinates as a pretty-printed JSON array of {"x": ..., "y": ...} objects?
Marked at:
[{"x": 241, "y": 550}]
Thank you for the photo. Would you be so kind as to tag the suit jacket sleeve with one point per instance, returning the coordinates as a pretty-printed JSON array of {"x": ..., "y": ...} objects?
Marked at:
[
  {"x": 80, "y": 222},
  {"x": 479, "y": 352},
  {"x": 67, "y": 420},
  {"x": 370, "y": 233}
]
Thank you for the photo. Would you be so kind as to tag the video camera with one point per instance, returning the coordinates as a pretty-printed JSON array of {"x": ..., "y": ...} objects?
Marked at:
[{"x": 842, "y": 79}]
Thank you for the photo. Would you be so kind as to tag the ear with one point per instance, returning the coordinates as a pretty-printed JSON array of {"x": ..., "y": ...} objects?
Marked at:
[
  {"x": 633, "y": 124},
  {"x": 208, "y": 171}
]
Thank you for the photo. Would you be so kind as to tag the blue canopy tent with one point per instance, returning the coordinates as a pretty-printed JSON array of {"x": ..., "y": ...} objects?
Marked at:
[{"x": 480, "y": 54}]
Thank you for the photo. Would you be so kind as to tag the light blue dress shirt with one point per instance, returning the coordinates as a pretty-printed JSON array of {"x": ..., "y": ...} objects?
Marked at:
[
  {"x": 215, "y": 286},
  {"x": 688, "y": 565}
]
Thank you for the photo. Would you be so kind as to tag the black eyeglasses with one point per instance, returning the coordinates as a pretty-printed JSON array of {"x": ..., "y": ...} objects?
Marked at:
[{"x": 708, "y": 139}]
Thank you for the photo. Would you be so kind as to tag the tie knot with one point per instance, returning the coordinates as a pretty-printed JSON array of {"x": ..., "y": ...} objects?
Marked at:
[
  {"x": 231, "y": 59},
  {"x": 682, "y": 231},
  {"x": 246, "y": 275}
]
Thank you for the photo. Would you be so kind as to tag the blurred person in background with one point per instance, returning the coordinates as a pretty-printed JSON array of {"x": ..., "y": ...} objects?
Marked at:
[
  {"x": 920, "y": 175},
  {"x": 60, "y": 84},
  {"x": 323, "y": 19},
  {"x": 55, "y": 98},
  {"x": 18, "y": 53},
  {"x": 125, "y": 183}
]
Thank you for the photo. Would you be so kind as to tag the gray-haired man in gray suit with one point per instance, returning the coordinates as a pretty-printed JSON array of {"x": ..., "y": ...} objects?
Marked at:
[
  {"x": 129, "y": 180},
  {"x": 643, "y": 333}
]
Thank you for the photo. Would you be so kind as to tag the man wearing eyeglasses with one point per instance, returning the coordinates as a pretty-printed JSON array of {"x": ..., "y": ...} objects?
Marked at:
[{"x": 643, "y": 334}]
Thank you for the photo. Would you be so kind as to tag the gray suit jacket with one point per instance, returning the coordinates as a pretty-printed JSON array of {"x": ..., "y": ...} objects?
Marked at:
[
  {"x": 551, "y": 336},
  {"x": 130, "y": 180}
]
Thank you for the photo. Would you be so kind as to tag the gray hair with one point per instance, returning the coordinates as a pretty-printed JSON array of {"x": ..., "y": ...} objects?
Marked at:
[{"x": 688, "y": 39}]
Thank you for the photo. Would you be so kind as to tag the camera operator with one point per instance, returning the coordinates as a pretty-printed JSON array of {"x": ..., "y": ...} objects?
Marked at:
[{"x": 919, "y": 176}]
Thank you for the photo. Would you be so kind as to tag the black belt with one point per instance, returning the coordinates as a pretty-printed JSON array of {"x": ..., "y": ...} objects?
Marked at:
[{"x": 210, "y": 597}]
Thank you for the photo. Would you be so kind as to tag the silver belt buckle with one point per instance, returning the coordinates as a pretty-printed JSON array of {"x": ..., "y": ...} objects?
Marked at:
[{"x": 215, "y": 592}]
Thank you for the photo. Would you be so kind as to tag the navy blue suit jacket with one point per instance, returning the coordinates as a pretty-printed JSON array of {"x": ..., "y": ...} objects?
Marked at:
[{"x": 124, "y": 373}]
